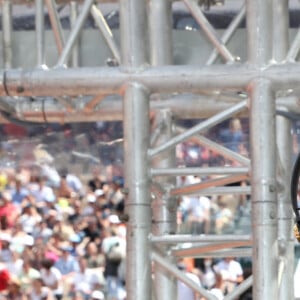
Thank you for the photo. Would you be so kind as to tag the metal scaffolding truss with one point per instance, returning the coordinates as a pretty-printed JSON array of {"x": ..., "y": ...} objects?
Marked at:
[{"x": 142, "y": 86}]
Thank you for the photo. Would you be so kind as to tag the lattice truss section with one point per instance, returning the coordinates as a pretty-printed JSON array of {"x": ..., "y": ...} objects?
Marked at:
[{"x": 144, "y": 77}]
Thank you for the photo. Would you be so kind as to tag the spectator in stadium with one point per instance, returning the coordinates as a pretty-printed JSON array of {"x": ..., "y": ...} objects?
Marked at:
[
  {"x": 52, "y": 278},
  {"x": 231, "y": 272},
  {"x": 184, "y": 292},
  {"x": 8, "y": 211},
  {"x": 84, "y": 281},
  {"x": 39, "y": 291},
  {"x": 66, "y": 264}
]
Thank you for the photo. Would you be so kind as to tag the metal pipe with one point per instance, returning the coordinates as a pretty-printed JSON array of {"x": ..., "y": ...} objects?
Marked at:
[
  {"x": 199, "y": 171},
  {"x": 197, "y": 250},
  {"x": 264, "y": 185},
  {"x": 195, "y": 253},
  {"x": 163, "y": 79},
  {"x": 107, "y": 80},
  {"x": 160, "y": 25},
  {"x": 133, "y": 26},
  {"x": 243, "y": 252},
  {"x": 241, "y": 288},
  {"x": 137, "y": 206},
  {"x": 263, "y": 150},
  {"x": 284, "y": 153},
  {"x": 259, "y": 31},
  {"x": 56, "y": 25},
  {"x": 228, "y": 33},
  {"x": 76, "y": 48},
  {"x": 75, "y": 32},
  {"x": 208, "y": 30},
  {"x": 225, "y": 152},
  {"x": 7, "y": 33},
  {"x": 134, "y": 35},
  {"x": 110, "y": 109},
  {"x": 164, "y": 208},
  {"x": 223, "y": 190},
  {"x": 40, "y": 32},
  {"x": 106, "y": 32},
  {"x": 162, "y": 262},
  {"x": 198, "y": 128},
  {"x": 186, "y": 238},
  {"x": 294, "y": 49},
  {"x": 194, "y": 188}
]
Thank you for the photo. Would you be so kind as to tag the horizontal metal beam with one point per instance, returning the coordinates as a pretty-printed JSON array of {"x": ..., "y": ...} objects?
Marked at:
[
  {"x": 163, "y": 79},
  {"x": 225, "y": 190},
  {"x": 243, "y": 252},
  {"x": 199, "y": 171},
  {"x": 32, "y": 2},
  {"x": 198, "y": 250},
  {"x": 88, "y": 109},
  {"x": 194, "y": 188},
  {"x": 188, "y": 238}
]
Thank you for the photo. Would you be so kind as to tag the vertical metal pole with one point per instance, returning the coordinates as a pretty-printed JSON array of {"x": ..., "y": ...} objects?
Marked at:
[
  {"x": 164, "y": 212},
  {"x": 264, "y": 206},
  {"x": 160, "y": 23},
  {"x": 164, "y": 208},
  {"x": 263, "y": 146},
  {"x": 136, "y": 136},
  {"x": 284, "y": 144},
  {"x": 133, "y": 28},
  {"x": 76, "y": 48},
  {"x": 40, "y": 32},
  {"x": 7, "y": 33},
  {"x": 133, "y": 20}
]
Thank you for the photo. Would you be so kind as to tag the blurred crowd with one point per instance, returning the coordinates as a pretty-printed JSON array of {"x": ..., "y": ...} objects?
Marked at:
[
  {"x": 62, "y": 236},
  {"x": 64, "y": 241}
]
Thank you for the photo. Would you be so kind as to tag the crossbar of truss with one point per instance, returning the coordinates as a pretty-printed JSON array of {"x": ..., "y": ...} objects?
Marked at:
[
  {"x": 199, "y": 171},
  {"x": 162, "y": 79}
]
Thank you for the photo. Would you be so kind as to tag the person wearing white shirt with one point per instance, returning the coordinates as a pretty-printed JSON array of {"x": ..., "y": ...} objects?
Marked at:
[
  {"x": 52, "y": 278},
  {"x": 231, "y": 272},
  {"x": 85, "y": 281}
]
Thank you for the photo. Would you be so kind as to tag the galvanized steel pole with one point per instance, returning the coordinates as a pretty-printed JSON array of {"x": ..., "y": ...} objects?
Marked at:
[
  {"x": 40, "y": 32},
  {"x": 263, "y": 149},
  {"x": 7, "y": 33},
  {"x": 264, "y": 202},
  {"x": 164, "y": 207},
  {"x": 75, "y": 58},
  {"x": 284, "y": 143},
  {"x": 133, "y": 18}
]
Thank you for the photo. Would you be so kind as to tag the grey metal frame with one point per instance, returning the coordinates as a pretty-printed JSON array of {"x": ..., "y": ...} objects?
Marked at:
[{"x": 147, "y": 37}]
